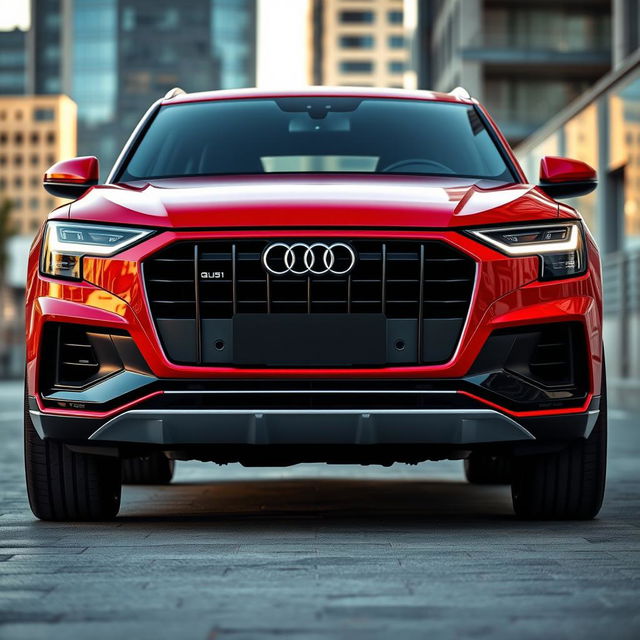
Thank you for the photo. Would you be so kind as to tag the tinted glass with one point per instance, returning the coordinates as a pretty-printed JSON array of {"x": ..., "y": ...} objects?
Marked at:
[{"x": 309, "y": 135}]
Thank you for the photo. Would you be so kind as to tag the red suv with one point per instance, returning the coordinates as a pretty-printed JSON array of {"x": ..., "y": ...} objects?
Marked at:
[{"x": 354, "y": 276}]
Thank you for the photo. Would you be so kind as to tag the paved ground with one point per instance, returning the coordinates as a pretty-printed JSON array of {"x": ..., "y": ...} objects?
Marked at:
[{"x": 319, "y": 552}]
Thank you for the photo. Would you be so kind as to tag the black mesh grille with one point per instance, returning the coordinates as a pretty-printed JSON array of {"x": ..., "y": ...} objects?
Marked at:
[
  {"x": 77, "y": 359},
  {"x": 221, "y": 279},
  {"x": 552, "y": 361}
]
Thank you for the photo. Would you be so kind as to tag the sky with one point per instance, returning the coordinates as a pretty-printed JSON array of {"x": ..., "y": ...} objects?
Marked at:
[
  {"x": 14, "y": 13},
  {"x": 282, "y": 38}
]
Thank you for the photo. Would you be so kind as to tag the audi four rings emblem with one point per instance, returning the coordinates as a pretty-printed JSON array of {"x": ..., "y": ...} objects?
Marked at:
[{"x": 302, "y": 259}]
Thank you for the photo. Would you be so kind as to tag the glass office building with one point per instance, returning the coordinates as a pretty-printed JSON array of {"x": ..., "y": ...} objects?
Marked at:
[
  {"x": 116, "y": 57},
  {"x": 12, "y": 62},
  {"x": 603, "y": 129}
]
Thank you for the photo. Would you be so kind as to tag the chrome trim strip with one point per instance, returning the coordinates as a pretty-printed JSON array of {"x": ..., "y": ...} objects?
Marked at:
[
  {"x": 362, "y": 412},
  {"x": 307, "y": 391}
]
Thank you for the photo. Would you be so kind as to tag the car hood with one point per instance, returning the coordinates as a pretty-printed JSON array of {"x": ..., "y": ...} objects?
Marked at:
[{"x": 313, "y": 201}]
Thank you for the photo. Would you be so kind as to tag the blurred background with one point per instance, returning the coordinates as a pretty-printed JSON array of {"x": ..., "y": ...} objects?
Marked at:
[{"x": 561, "y": 77}]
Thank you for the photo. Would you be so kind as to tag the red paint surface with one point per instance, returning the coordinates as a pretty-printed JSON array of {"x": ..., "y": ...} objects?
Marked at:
[
  {"x": 555, "y": 169},
  {"x": 84, "y": 169},
  {"x": 507, "y": 292}
]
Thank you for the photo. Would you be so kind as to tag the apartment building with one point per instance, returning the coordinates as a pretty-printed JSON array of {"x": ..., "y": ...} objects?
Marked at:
[
  {"x": 35, "y": 132},
  {"x": 357, "y": 43},
  {"x": 524, "y": 59}
]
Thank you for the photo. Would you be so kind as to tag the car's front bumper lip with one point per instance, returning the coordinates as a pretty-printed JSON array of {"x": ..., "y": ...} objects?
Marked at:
[{"x": 307, "y": 427}]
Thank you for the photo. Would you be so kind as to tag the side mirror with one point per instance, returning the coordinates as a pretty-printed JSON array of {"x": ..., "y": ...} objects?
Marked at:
[
  {"x": 566, "y": 178},
  {"x": 72, "y": 178}
]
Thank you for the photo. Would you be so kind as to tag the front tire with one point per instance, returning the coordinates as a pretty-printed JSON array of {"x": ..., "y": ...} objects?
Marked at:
[
  {"x": 66, "y": 486},
  {"x": 568, "y": 485},
  {"x": 155, "y": 468}
]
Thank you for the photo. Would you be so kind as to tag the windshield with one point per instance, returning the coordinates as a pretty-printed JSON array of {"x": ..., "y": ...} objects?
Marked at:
[{"x": 316, "y": 134}]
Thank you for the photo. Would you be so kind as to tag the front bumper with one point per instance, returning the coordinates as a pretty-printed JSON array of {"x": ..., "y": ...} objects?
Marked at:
[
  {"x": 174, "y": 419},
  {"x": 456, "y": 403}
]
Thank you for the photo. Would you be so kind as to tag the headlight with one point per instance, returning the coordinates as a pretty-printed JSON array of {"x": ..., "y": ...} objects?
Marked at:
[
  {"x": 66, "y": 243},
  {"x": 561, "y": 247}
]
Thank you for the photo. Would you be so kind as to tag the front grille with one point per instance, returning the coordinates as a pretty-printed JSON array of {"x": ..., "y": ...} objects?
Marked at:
[{"x": 429, "y": 283}]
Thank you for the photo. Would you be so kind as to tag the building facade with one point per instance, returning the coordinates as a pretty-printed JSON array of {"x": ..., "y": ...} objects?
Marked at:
[
  {"x": 524, "y": 59},
  {"x": 116, "y": 57},
  {"x": 35, "y": 132},
  {"x": 357, "y": 43},
  {"x": 13, "y": 71},
  {"x": 603, "y": 128}
]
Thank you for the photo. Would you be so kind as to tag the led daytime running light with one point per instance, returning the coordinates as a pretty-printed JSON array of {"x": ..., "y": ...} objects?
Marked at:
[{"x": 532, "y": 248}]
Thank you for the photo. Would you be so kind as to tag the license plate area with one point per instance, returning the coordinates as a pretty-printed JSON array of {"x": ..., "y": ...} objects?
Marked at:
[{"x": 312, "y": 340}]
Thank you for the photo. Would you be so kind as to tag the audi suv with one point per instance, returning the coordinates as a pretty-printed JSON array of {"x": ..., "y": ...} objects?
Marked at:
[{"x": 355, "y": 276}]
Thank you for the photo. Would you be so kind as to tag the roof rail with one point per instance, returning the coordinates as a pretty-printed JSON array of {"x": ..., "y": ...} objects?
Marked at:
[
  {"x": 172, "y": 93},
  {"x": 460, "y": 92}
]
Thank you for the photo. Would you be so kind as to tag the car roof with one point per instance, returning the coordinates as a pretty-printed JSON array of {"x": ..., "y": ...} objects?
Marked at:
[{"x": 351, "y": 92}]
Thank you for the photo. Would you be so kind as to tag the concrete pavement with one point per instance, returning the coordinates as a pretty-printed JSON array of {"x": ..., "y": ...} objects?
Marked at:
[{"x": 319, "y": 552}]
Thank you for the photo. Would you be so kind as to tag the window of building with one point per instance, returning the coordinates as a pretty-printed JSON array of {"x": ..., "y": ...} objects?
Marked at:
[
  {"x": 18, "y": 115},
  {"x": 34, "y": 204},
  {"x": 17, "y": 161},
  {"x": 168, "y": 19},
  {"x": 52, "y": 20},
  {"x": 50, "y": 203},
  {"x": 3, "y": 115},
  {"x": 547, "y": 27},
  {"x": 396, "y": 66},
  {"x": 396, "y": 42},
  {"x": 35, "y": 182},
  {"x": 18, "y": 138},
  {"x": 35, "y": 224},
  {"x": 17, "y": 203},
  {"x": 356, "y": 17},
  {"x": 395, "y": 17},
  {"x": 52, "y": 85},
  {"x": 35, "y": 160},
  {"x": 128, "y": 18},
  {"x": 43, "y": 115},
  {"x": 356, "y": 42},
  {"x": 51, "y": 137},
  {"x": 17, "y": 182},
  {"x": 3, "y": 160},
  {"x": 356, "y": 66},
  {"x": 3, "y": 138},
  {"x": 35, "y": 137},
  {"x": 3, "y": 184},
  {"x": 52, "y": 53}
]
